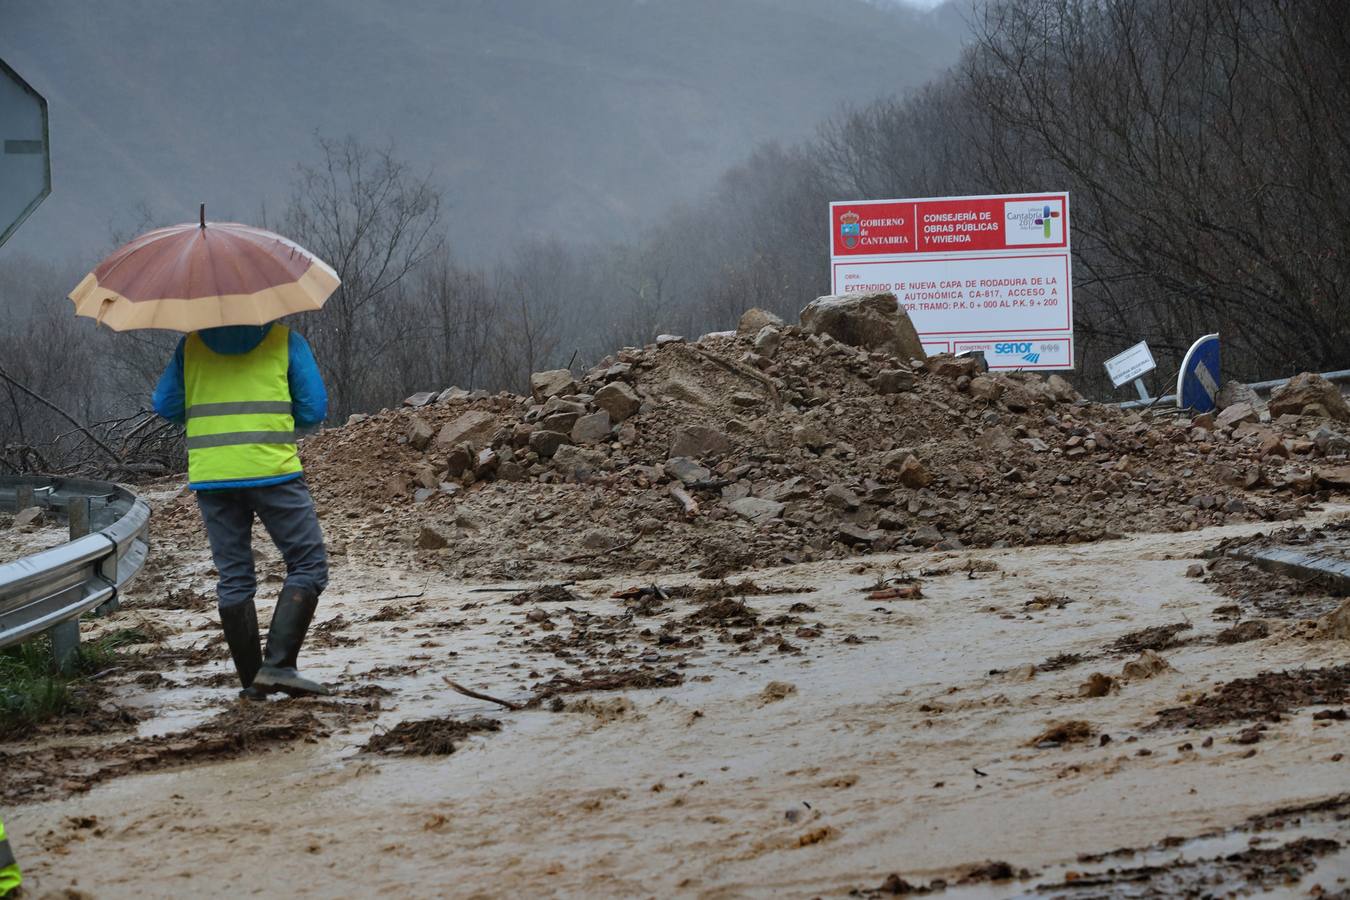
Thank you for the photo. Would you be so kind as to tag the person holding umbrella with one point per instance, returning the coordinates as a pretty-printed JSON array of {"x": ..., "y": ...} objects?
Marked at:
[{"x": 241, "y": 383}]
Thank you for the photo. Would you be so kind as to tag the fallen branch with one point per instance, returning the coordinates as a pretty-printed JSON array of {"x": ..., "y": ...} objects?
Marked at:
[
  {"x": 478, "y": 695},
  {"x": 689, "y": 504},
  {"x": 738, "y": 369},
  {"x": 61, "y": 412}
]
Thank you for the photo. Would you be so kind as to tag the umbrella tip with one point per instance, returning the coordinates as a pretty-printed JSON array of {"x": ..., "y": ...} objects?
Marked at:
[{"x": 201, "y": 211}]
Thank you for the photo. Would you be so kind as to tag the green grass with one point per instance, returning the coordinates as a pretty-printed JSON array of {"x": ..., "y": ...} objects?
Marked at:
[{"x": 32, "y": 691}]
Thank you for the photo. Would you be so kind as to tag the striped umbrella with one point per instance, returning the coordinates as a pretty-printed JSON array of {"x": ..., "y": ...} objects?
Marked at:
[{"x": 203, "y": 275}]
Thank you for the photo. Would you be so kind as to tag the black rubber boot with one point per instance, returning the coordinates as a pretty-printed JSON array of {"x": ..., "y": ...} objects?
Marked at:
[
  {"x": 240, "y": 624},
  {"x": 290, "y": 623}
]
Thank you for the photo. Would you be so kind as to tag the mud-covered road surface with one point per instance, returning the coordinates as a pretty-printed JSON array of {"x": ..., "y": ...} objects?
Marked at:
[{"x": 1062, "y": 721}]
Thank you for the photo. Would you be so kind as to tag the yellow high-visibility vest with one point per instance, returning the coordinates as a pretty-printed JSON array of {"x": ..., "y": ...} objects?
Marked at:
[
  {"x": 238, "y": 407},
  {"x": 9, "y": 867}
]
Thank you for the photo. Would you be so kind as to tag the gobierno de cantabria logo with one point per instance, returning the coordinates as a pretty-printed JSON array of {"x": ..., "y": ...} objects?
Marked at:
[
  {"x": 850, "y": 229},
  {"x": 1033, "y": 223}
]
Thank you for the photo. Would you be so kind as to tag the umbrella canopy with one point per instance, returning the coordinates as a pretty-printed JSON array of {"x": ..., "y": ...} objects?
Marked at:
[{"x": 203, "y": 275}]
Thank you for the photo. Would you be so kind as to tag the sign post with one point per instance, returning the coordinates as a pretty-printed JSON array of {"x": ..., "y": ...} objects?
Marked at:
[
  {"x": 1132, "y": 365},
  {"x": 25, "y": 159},
  {"x": 987, "y": 273}
]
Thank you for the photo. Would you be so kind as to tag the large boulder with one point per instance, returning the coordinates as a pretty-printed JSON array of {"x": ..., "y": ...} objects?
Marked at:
[
  {"x": 754, "y": 319},
  {"x": 475, "y": 427},
  {"x": 618, "y": 399},
  {"x": 552, "y": 383},
  {"x": 873, "y": 321},
  {"x": 1307, "y": 394}
]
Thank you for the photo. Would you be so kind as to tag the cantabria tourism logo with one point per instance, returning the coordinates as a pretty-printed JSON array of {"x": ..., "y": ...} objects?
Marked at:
[{"x": 1034, "y": 222}]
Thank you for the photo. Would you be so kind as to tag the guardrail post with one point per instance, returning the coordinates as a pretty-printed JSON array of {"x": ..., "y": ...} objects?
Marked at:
[
  {"x": 23, "y": 497},
  {"x": 66, "y": 636}
]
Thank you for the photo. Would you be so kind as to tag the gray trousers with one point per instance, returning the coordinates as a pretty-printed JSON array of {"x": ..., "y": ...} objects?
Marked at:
[{"x": 287, "y": 512}]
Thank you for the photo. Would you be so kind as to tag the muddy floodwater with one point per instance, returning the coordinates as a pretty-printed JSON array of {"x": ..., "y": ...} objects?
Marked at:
[{"x": 1021, "y": 722}]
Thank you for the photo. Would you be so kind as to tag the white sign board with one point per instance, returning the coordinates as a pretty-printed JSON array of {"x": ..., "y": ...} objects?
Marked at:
[
  {"x": 989, "y": 273},
  {"x": 1129, "y": 364}
]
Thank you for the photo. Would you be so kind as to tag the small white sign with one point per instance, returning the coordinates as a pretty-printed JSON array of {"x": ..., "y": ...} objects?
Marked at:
[{"x": 1128, "y": 365}]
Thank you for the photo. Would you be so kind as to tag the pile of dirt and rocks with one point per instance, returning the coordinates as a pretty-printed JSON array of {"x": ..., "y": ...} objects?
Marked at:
[{"x": 781, "y": 443}]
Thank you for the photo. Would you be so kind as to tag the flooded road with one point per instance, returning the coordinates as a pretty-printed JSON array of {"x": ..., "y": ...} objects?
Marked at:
[{"x": 925, "y": 738}]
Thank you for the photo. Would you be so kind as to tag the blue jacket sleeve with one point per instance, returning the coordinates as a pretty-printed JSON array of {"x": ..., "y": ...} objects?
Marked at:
[
  {"x": 168, "y": 400},
  {"x": 309, "y": 399}
]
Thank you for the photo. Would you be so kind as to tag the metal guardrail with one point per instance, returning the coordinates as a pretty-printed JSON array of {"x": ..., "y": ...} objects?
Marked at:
[
  {"x": 51, "y": 589},
  {"x": 1341, "y": 376}
]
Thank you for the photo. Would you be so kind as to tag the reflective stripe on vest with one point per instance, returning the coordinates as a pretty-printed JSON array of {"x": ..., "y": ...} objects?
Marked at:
[
  {"x": 7, "y": 856},
  {"x": 238, "y": 409}
]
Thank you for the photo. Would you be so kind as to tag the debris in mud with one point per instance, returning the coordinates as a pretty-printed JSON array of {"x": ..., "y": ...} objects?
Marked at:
[
  {"x": 243, "y": 728},
  {"x": 1061, "y": 661},
  {"x": 1147, "y": 665},
  {"x": 1098, "y": 685},
  {"x": 903, "y": 592},
  {"x": 549, "y": 593},
  {"x": 775, "y": 691},
  {"x": 995, "y": 870},
  {"x": 630, "y": 679},
  {"x": 183, "y": 598},
  {"x": 1267, "y": 697},
  {"x": 429, "y": 737},
  {"x": 727, "y": 613},
  {"x": 1157, "y": 637},
  {"x": 1074, "y": 731},
  {"x": 1250, "y": 630}
]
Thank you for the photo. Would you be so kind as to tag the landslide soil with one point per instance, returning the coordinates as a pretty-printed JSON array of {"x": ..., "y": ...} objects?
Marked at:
[{"x": 777, "y": 735}]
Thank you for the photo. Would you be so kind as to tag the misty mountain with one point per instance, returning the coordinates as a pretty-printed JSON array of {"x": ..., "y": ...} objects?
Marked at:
[{"x": 582, "y": 119}]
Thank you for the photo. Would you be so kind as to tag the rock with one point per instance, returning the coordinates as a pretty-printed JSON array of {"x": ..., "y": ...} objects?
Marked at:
[
  {"x": 663, "y": 339},
  {"x": 420, "y": 433},
  {"x": 686, "y": 470},
  {"x": 427, "y": 477},
  {"x": 927, "y": 535},
  {"x": 430, "y": 539},
  {"x": 746, "y": 400},
  {"x": 995, "y": 439},
  {"x": 423, "y": 494},
  {"x": 1334, "y": 476},
  {"x": 421, "y": 398},
  {"x": 795, "y": 488},
  {"x": 757, "y": 509},
  {"x": 561, "y": 421},
  {"x": 873, "y": 321},
  {"x": 552, "y": 383},
  {"x": 592, "y": 429},
  {"x": 840, "y": 497},
  {"x": 546, "y": 443},
  {"x": 357, "y": 418},
  {"x": 755, "y": 320},
  {"x": 893, "y": 381},
  {"x": 982, "y": 387},
  {"x": 698, "y": 441},
  {"x": 1236, "y": 392},
  {"x": 618, "y": 399},
  {"x": 945, "y": 365},
  {"x": 486, "y": 463},
  {"x": 32, "y": 517},
  {"x": 601, "y": 539},
  {"x": 810, "y": 436},
  {"x": 1195, "y": 570},
  {"x": 459, "y": 459},
  {"x": 452, "y": 393},
  {"x": 767, "y": 341},
  {"x": 574, "y": 462},
  {"x": 854, "y": 535},
  {"x": 1336, "y": 625},
  {"x": 1235, "y": 413},
  {"x": 908, "y": 470},
  {"x": 1059, "y": 388},
  {"x": 1099, "y": 684},
  {"x": 397, "y": 486},
  {"x": 1307, "y": 394},
  {"x": 474, "y": 427},
  {"x": 1148, "y": 664}
]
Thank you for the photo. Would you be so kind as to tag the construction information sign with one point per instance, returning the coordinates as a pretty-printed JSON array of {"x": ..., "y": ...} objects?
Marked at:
[{"x": 985, "y": 273}]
